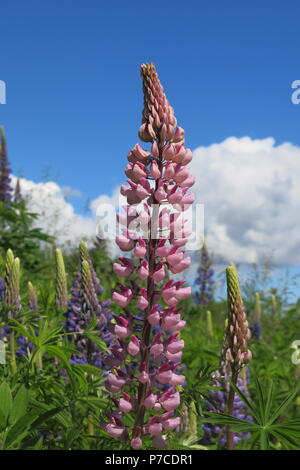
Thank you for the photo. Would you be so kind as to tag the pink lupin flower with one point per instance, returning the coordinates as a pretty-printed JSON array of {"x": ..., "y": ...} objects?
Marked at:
[
  {"x": 160, "y": 194},
  {"x": 154, "y": 316},
  {"x": 144, "y": 376},
  {"x": 166, "y": 166},
  {"x": 126, "y": 244},
  {"x": 174, "y": 357},
  {"x": 174, "y": 344},
  {"x": 170, "y": 170},
  {"x": 136, "y": 443},
  {"x": 143, "y": 270},
  {"x": 169, "y": 422},
  {"x": 162, "y": 250},
  {"x": 164, "y": 374},
  {"x": 133, "y": 346},
  {"x": 125, "y": 404},
  {"x": 187, "y": 158},
  {"x": 142, "y": 302},
  {"x": 170, "y": 400},
  {"x": 177, "y": 379},
  {"x": 122, "y": 298},
  {"x": 139, "y": 153},
  {"x": 114, "y": 430},
  {"x": 115, "y": 380},
  {"x": 157, "y": 347},
  {"x": 159, "y": 273},
  {"x": 124, "y": 269},
  {"x": 150, "y": 400},
  {"x": 155, "y": 149},
  {"x": 154, "y": 426},
  {"x": 179, "y": 135},
  {"x": 140, "y": 248},
  {"x": 155, "y": 172},
  {"x": 122, "y": 331}
]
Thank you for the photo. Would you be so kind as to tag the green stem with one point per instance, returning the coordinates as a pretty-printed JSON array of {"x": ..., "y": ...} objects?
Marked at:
[
  {"x": 39, "y": 361},
  {"x": 230, "y": 403},
  {"x": 12, "y": 345}
]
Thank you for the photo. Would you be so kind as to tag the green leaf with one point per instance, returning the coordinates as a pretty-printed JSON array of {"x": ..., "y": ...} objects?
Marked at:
[
  {"x": 20, "y": 404},
  {"x": 254, "y": 411},
  {"x": 19, "y": 430},
  {"x": 286, "y": 402},
  {"x": 5, "y": 399}
]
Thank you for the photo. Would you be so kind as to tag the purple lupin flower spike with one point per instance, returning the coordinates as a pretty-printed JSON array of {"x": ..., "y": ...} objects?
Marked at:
[
  {"x": 82, "y": 306},
  {"x": 157, "y": 196},
  {"x": 218, "y": 400},
  {"x": 5, "y": 179}
]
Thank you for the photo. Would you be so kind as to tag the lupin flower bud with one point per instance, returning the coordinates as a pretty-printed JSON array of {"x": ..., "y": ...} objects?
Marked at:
[
  {"x": 235, "y": 353},
  {"x": 204, "y": 280},
  {"x": 236, "y": 350},
  {"x": 61, "y": 291},
  {"x": 147, "y": 356},
  {"x": 12, "y": 281}
]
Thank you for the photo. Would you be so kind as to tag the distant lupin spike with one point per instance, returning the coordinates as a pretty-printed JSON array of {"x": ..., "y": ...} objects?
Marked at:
[
  {"x": 218, "y": 400},
  {"x": 85, "y": 256},
  {"x": 18, "y": 194},
  {"x": 256, "y": 325},
  {"x": 61, "y": 292},
  {"x": 236, "y": 353},
  {"x": 5, "y": 179},
  {"x": 82, "y": 306},
  {"x": 204, "y": 280},
  {"x": 147, "y": 356},
  {"x": 90, "y": 301}
]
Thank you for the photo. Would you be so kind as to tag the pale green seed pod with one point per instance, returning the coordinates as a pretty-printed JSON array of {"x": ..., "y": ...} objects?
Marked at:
[
  {"x": 209, "y": 324},
  {"x": 32, "y": 298},
  {"x": 192, "y": 419}
]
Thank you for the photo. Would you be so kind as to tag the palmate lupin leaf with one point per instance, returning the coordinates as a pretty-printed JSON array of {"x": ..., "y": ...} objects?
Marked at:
[{"x": 265, "y": 413}]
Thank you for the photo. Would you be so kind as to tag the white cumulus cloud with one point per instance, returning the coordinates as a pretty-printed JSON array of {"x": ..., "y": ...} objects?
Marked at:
[
  {"x": 56, "y": 215},
  {"x": 250, "y": 190},
  {"x": 251, "y": 193}
]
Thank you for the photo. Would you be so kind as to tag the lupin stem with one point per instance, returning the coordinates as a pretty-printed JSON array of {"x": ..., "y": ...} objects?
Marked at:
[
  {"x": 145, "y": 341},
  {"x": 229, "y": 432},
  {"x": 12, "y": 345}
]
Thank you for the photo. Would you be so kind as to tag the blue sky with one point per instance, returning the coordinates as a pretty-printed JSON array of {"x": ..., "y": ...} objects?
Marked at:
[
  {"x": 73, "y": 88},
  {"x": 74, "y": 95}
]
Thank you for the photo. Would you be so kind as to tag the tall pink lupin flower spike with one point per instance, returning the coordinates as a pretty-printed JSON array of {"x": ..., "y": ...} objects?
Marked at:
[{"x": 153, "y": 227}]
